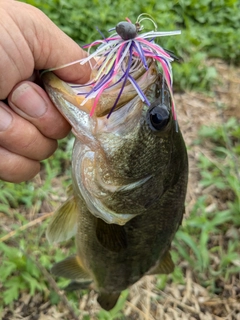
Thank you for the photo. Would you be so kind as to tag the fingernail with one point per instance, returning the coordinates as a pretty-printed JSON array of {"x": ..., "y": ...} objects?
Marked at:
[
  {"x": 5, "y": 119},
  {"x": 28, "y": 101}
]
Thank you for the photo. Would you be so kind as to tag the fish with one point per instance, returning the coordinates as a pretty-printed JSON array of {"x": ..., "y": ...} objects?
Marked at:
[{"x": 129, "y": 181}]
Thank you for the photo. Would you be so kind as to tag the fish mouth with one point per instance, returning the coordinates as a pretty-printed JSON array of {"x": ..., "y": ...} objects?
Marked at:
[{"x": 76, "y": 95}]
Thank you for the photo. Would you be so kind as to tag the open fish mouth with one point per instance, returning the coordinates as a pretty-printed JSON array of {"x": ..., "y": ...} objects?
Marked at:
[{"x": 76, "y": 94}]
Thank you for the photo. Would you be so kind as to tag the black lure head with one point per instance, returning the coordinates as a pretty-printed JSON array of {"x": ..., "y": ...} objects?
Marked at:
[{"x": 127, "y": 30}]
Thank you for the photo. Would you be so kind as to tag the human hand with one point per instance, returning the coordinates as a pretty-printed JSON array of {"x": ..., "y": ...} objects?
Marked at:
[{"x": 29, "y": 123}]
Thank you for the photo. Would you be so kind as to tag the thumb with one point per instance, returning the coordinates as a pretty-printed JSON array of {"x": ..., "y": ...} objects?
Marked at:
[
  {"x": 54, "y": 48},
  {"x": 30, "y": 40}
]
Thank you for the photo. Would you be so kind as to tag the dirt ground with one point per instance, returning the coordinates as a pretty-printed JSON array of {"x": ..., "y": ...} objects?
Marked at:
[{"x": 189, "y": 301}]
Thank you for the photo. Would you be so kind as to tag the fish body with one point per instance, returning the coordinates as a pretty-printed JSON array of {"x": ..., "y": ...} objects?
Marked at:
[{"x": 129, "y": 176}]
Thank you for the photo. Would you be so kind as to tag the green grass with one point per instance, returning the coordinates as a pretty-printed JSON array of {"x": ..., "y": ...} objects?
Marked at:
[
  {"x": 212, "y": 230},
  {"x": 18, "y": 271}
]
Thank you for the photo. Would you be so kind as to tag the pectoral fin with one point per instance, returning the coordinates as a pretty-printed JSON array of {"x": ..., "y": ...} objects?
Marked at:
[
  {"x": 108, "y": 300},
  {"x": 63, "y": 225},
  {"x": 165, "y": 266},
  {"x": 70, "y": 268},
  {"x": 111, "y": 236}
]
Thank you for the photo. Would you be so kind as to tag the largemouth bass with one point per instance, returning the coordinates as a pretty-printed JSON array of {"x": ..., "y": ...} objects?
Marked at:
[{"x": 129, "y": 175}]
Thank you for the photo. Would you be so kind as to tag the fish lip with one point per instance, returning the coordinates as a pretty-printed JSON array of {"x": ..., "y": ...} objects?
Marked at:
[
  {"x": 67, "y": 102},
  {"x": 56, "y": 87}
]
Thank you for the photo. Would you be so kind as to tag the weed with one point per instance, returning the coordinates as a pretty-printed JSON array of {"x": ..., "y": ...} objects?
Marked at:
[
  {"x": 18, "y": 271},
  {"x": 207, "y": 241}
]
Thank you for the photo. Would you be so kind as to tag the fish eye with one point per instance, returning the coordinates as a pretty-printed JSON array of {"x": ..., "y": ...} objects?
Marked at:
[{"x": 158, "y": 117}]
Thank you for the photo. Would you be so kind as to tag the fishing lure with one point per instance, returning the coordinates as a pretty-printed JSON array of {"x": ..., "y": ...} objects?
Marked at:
[{"x": 121, "y": 54}]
